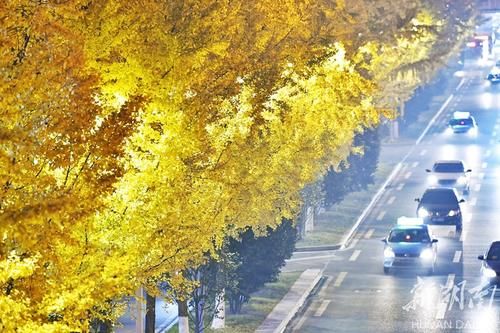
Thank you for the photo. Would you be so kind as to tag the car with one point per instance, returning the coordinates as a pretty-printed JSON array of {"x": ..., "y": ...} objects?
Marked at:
[
  {"x": 410, "y": 244},
  {"x": 463, "y": 122},
  {"x": 490, "y": 266},
  {"x": 450, "y": 173},
  {"x": 440, "y": 206},
  {"x": 494, "y": 75}
]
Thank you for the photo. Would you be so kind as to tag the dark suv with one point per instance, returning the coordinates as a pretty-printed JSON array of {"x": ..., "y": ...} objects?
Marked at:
[
  {"x": 440, "y": 206},
  {"x": 490, "y": 268}
]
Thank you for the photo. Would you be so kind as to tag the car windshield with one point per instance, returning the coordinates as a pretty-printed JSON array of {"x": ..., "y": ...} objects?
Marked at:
[
  {"x": 494, "y": 253},
  {"x": 448, "y": 167},
  {"x": 439, "y": 197},
  {"x": 408, "y": 236},
  {"x": 465, "y": 121}
]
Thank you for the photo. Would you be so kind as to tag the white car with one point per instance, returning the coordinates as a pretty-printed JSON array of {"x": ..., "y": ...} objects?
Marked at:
[{"x": 450, "y": 173}]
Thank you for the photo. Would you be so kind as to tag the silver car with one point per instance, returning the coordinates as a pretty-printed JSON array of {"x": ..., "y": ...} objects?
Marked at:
[{"x": 450, "y": 173}]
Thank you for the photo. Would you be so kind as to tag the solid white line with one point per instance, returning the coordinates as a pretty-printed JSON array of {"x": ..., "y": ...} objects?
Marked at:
[
  {"x": 408, "y": 175},
  {"x": 457, "y": 256},
  {"x": 477, "y": 187},
  {"x": 433, "y": 120},
  {"x": 460, "y": 84},
  {"x": 369, "y": 233},
  {"x": 473, "y": 201},
  {"x": 423, "y": 152},
  {"x": 339, "y": 279},
  {"x": 381, "y": 215},
  {"x": 463, "y": 235},
  {"x": 355, "y": 255},
  {"x": 484, "y": 165},
  {"x": 400, "y": 186},
  {"x": 391, "y": 200},
  {"x": 414, "y": 165},
  {"x": 322, "y": 308},
  {"x": 300, "y": 323}
]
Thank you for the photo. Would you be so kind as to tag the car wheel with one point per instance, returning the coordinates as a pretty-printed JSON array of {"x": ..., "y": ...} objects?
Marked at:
[{"x": 386, "y": 270}]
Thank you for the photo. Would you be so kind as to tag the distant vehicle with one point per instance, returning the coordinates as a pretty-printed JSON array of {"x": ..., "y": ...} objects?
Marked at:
[
  {"x": 490, "y": 267},
  {"x": 440, "y": 206},
  {"x": 463, "y": 122},
  {"x": 410, "y": 245},
  {"x": 494, "y": 74},
  {"x": 450, "y": 173}
]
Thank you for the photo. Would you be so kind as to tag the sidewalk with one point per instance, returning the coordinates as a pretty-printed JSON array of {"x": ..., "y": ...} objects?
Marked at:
[{"x": 286, "y": 309}]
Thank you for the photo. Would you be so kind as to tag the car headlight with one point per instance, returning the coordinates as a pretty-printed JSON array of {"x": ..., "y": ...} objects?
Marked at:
[
  {"x": 389, "y": 253},
  {"x": 422, "y": 212},
  {"x": 462, "y": 180},
  {"x": 489, "y": 273},
  {"x": 453, "y": 212},
  {"x": 426, "y": 254},
  {"x": 433, "y": 179}
]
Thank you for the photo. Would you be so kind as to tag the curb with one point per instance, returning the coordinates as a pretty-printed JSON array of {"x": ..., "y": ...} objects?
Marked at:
[
  {"x": 332, "y": 247},
  {"x": 274, "y": 322}
]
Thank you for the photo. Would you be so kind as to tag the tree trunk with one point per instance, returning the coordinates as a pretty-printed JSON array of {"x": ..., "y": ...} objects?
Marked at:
[
  {"x": 219, "y": 320},
  {"x": 150, "y": 313},
  {"x": 200, "y": 311},
  {"x": 183, "y": 316}
]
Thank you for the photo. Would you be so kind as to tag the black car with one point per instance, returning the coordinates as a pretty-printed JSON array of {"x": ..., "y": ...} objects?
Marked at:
[
  {"x": 490, "y": 268},
  {"x": 440, "y": 206}
]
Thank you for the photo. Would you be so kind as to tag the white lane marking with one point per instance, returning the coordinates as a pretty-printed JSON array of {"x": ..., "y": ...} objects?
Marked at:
[
  {"x": 484, "y": 165},
  {"x": 467, "y": 218},
  {"x": 408, "y": 175},
  {"x": 444, "y": 305},
  {"x": 423, "y": 152},
  {"x": 311, "y": 258},
  {"x": 414, "y": 165},
  {"x": 481, "y": 175},
  {"x": 494, "y": 133},
  {"x": 354, "y": 242},
  {"x": 473, "y": 201},
  {"x": 400, "y": 186},
  {"x": 322, "y": 308},
  {"x": 477, "y": 187},
  {"x": 339, "y": 279},
  {"x": 300, "y": 323},
  {"x": 488, "y": 153},
  {"x": 355, "y": 255},
  {"x": 369, "y": 233},
  {"x": 391, "y": 200},
  {"x": 457, "y": 256},
  {"x": 460, "y": 84},
  {"x": 497, "y": 126},
  {"x": 381, "y": 215},
  {"x": 463, "y": 235}
]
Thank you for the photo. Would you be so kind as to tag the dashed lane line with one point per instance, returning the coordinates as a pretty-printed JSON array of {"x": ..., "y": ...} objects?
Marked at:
[
  {"x": 369, "y": 233},
  {"x": 400, "y": 186},
  {"x": 391, "y": 200},
  {"x": 477, "y": 187},
  {"x": 457, "y": 256},
  {"x": 355, "y": 255},
  {"x": 322, "y": 308},
  {"x": 408, "y": 175},
  {"x": 414, "y": 165},
  {"x": 473, "y": 201},
  {"x": 484, "y": 165},
  {"x": 423, "y": 152},
  {"x": 339, "y": 279},
  {"x": 381, "y": 215}
]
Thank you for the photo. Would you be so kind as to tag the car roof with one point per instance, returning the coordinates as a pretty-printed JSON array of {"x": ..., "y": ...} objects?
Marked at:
[
  {"x": 409, "y": 227},
  {"x": 449, "y": 161},
  {"x": 495, "y": 244},
  {"x": 440, "y": 189}
]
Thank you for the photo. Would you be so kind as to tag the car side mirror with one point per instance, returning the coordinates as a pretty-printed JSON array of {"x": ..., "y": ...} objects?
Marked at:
[
  {"x": 461, "y": 201},
  {"x": 434, "y": 240},
  {"x": 384, "y": 240},
  {"x": 481, "y": 257},
  {"x": 469, "y": 170},
  {"x": 417, "y": 199},
  {"x": 427, "y": 170}
]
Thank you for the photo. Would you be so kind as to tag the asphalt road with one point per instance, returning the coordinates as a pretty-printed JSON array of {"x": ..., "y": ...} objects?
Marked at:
[{"x": 358, "y": 297}]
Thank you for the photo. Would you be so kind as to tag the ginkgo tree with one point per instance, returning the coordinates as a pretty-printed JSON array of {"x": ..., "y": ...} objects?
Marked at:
[{"x": 136, "y": 135}]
